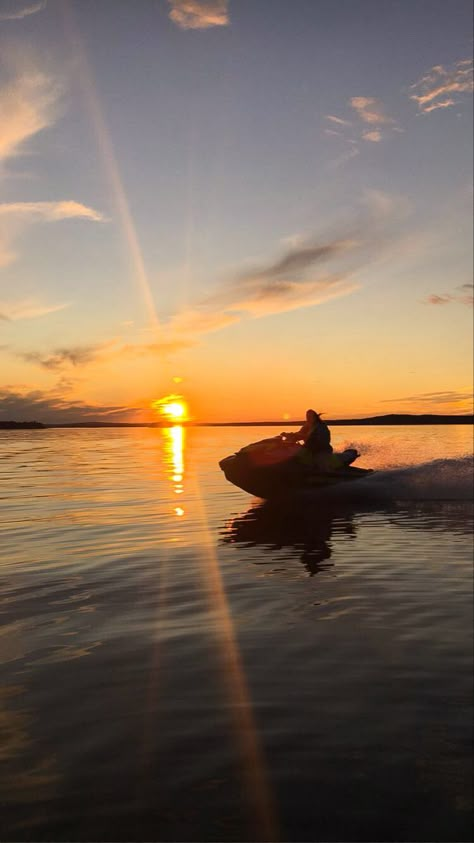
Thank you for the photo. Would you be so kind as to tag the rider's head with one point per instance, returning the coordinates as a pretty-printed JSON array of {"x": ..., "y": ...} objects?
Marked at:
[{"x": 311, "y": 415}]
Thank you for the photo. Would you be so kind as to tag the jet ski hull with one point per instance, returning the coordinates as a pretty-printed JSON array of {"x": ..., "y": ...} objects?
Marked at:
[{"x": 283, "y": 477}]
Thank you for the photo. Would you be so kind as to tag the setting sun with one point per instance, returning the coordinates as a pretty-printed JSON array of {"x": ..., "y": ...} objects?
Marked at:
[
  {"x": 175, "y": 410},
  {"x": 171, "y": 407}
]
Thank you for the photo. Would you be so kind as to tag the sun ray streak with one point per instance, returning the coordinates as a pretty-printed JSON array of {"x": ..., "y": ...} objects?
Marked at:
[
  {"x": 173, "y": 442},
  {"x": 91, "y": 99},
  {"x": 258, "y": 791}
]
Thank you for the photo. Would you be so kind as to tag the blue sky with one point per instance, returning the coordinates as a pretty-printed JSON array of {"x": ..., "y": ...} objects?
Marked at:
[{"x": 270, "y": 199}]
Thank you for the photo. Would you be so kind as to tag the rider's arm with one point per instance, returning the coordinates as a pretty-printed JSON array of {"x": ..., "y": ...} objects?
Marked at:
[{"x": 298, "y": 436}]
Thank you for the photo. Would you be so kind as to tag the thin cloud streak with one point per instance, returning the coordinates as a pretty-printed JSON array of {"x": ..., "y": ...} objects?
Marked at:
[
  {"x": 299, "y": 258},
  {"x": 50, "y": 211},
  {"x": 298, "y": 279},
  {"x": 338, "y": 120},
  {"x": 25, "y": 12},
  {"x": 465, "y": 296},
  {"x": 441, "y": 104},
  {"x": 279, "y": 297},
  {"x": 198, "y": 321},
  {"x": 308, "y": 274},
  {"x": 28, "y": 309},
  {"x": 433, "y": 91},
  {"x": 280, "y": 287},
  {"x": 76, "y": 356},
  {"x": 14, "y": 216},
  {"x": 433, "y": 398},
  {"x": 199, "y": 14},
  {"x": 65, "y": 359}
]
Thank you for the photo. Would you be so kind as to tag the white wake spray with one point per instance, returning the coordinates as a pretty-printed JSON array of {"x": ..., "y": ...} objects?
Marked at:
[{"x": 441, "y": 479}]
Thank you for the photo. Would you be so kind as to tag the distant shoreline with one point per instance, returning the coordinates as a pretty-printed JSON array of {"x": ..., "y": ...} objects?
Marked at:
[{"x": 390, "y": 419}]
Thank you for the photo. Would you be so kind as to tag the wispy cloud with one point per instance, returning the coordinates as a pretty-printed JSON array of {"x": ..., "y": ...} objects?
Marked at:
[
  {"x": 375, "y": 135},
  {"x": 352, "y": 152},
  {"x": 68, "y": 358},
  {"x": 199, "y": 14},
  {"x": 441, "y": 87},
  {"x": 27, "y": 309},
  {"x": 49, "y": 211},
  {"x": 462, "y": 295},
  {"x": 14, "y": 216},
  {"x": 52, "y": 407},
  {"x": 338, "y": 128},
  {"x": 166, "y": 345},
  {"x": 307, "y": 274},
  {"x": 368, "y": 112},
  {"x": 23, "y": 12},
  {"x": 371, "y": 111},
  {"x": 76, "y": 356},
  {"x": 291, "y": 282},
  {"x": 28, "y": 103},
  {"x": 338, "y": 120},
  {"x": 459, "y": 400},
  {"x": 298, "y": 278}
]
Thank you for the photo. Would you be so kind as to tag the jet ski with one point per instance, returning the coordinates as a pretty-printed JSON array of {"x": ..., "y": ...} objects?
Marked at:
[{"x": 277, "y": 467}]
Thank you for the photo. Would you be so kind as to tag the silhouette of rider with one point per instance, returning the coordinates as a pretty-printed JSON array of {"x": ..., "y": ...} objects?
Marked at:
[
  {"x": 318, "y": 440},
  {"x": 314, "y": 433}
]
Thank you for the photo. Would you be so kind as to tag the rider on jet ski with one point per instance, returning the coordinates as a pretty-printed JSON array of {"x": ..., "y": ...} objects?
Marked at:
[
  {"x": 270, "y": 468},
  {"x": 315, "y": 435}
]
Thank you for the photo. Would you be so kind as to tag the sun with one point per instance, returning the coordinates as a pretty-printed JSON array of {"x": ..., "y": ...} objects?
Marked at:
[
  {"x": 175, "y": 410},
  {"x": 172, "y": 408}
]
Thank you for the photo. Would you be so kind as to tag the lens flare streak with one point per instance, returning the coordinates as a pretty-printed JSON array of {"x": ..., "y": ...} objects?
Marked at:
[
  {"x": 259, "y": 795},
  {"x": 109, "y": 159}
]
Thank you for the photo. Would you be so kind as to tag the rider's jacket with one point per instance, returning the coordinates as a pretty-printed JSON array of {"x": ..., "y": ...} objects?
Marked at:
[{"x": 319, "y": 440}]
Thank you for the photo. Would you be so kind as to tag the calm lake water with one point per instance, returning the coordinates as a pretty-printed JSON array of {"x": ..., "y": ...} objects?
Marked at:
[{"x": 181, "y": 662}]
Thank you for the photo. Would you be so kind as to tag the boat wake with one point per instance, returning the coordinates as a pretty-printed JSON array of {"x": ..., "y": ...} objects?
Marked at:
[{"x": 441, "y": 479}]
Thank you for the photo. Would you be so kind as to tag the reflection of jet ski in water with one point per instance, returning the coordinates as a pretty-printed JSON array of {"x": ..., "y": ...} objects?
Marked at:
[
  {"x": 277, "y": 467},
  {"x": 296, "y": 528}
]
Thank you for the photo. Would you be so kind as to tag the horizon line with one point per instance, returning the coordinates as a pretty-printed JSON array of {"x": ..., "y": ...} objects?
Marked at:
[{"x": 386, "y": 418}]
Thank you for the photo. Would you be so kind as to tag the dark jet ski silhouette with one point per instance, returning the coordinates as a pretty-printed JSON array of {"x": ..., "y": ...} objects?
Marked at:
[{"x": 277, "y": 467}]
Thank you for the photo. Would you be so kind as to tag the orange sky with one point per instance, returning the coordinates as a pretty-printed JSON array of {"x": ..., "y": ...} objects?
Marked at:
[{"x": 275, "y": 229}]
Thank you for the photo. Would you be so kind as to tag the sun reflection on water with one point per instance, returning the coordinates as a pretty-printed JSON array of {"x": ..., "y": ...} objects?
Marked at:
[{"x": 174, "y": 442}]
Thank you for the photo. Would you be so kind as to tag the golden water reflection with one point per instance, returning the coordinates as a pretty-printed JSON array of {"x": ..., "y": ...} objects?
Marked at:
[{"x": 174, "y": 442}]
